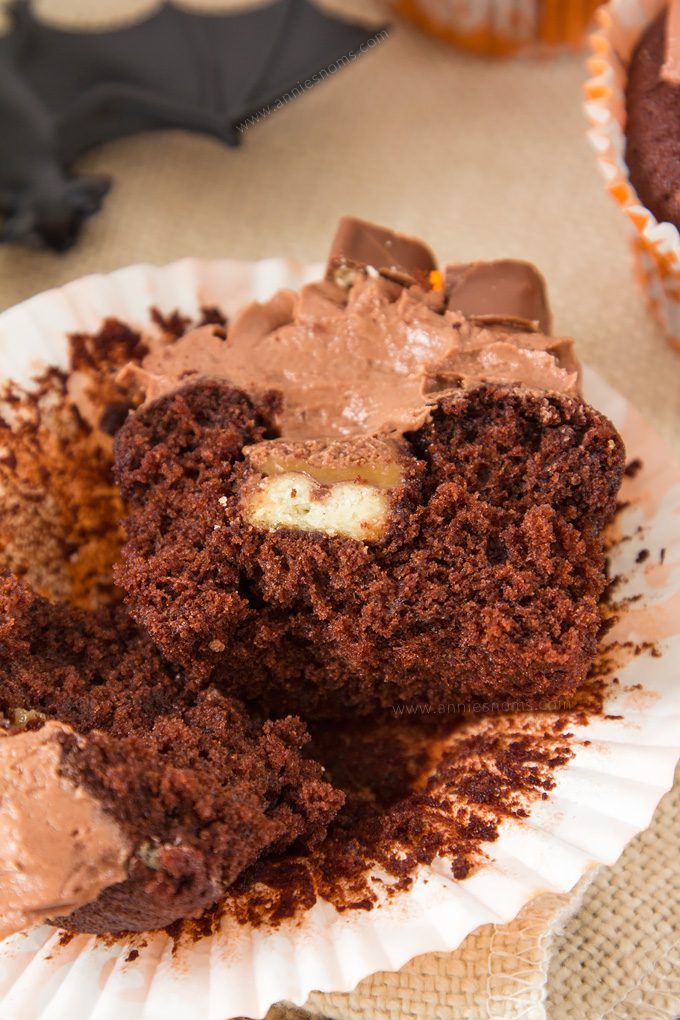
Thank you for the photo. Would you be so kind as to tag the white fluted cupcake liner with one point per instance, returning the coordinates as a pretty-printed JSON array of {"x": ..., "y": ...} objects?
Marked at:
[
  {"x": 604, "y": 795},
  {"x": 656, "y": 246}
]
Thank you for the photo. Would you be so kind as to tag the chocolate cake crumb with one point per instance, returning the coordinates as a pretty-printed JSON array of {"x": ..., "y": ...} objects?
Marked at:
[
  {"x": 482, "y": 772},
  {"x": 491, "y": 570},
  {"x": 388, "y": 768},
  {"x": 114, "y": 344},
  {"x": 633, "y": 468},
  {"x": 210, "y": 315},
  {"x": 173, "y": 326}
]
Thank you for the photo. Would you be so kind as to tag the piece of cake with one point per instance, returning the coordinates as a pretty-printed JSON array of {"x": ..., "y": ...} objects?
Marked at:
[
  {"x": 359, "y": 497},
  {"x": 130, "y": 797}
]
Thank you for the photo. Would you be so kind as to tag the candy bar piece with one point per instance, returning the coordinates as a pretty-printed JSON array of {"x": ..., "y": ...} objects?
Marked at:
[
  {"x": 506, "y": 289},
  {"x": 360, "y": 245},
  {"x": 670, "y": 72},
  {"x": 295, "y": 500},
  {"x": 336, "y": 487}
]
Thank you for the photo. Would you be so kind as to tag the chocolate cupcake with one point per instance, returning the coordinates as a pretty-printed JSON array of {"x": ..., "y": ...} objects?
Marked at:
[
  {"x": 653, "y": 114},
  {"x": 633, "y": 105},
  {"x": 359, "y": 497},
  {"x": 383, "y": 491}
]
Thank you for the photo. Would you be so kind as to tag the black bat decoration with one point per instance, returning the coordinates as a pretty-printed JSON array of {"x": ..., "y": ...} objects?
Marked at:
[{"x": 64, "y": 92}]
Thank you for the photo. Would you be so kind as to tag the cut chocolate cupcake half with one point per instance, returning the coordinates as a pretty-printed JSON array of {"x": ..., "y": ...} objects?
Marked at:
[{"x": 361, "y": 497}]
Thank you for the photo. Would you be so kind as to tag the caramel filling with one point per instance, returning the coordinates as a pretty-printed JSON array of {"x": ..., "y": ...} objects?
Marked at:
[
  {"x": 386, "y": 475},
  {"x": 334, "y": 487}
]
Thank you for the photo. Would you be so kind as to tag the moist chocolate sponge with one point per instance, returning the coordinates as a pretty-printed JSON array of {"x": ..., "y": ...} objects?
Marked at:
[
  {"x": 485, "y": 585},
  {"x": 652, "y": 135},
  {"x": 200, "y": 789}
]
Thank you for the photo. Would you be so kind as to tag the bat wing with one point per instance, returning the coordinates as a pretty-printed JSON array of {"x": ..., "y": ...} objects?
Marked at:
[
  {"x": 295, "y": 42},
  {"x": 202, "y": 72},
  {"x": 63, "y": 92}
]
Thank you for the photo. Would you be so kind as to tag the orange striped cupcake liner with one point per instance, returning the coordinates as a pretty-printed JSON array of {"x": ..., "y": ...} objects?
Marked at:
[
  {"x": 502, "y": 28},
  {"x": 656, "y": 246}
]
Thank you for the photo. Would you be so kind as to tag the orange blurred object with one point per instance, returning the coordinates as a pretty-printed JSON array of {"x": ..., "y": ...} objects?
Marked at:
[{"x": 503, "y": 28}]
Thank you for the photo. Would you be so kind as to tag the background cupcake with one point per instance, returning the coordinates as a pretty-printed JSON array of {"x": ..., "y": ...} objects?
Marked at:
[
  {"x": 633, "y": 102},
  {"x": 503, "y": 27}
]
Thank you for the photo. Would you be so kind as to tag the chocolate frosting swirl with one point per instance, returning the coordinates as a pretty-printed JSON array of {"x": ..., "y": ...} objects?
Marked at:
[{"x": 370, "y": 358}]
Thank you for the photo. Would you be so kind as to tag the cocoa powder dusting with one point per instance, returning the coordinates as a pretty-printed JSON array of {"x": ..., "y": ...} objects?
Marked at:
[
  {"x": 421, "y": 785},
  {"x": 415, "y": 791}
]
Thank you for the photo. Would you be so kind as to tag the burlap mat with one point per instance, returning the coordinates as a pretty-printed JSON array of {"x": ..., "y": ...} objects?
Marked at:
[
  {"x": 483, "y": 160},
  {"x": 610, "y": 949}
]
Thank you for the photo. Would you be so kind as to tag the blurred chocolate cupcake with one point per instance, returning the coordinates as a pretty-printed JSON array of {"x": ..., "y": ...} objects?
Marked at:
[
  {"x": 653, "y": 115},
  {"x": 633, "y": 102}
]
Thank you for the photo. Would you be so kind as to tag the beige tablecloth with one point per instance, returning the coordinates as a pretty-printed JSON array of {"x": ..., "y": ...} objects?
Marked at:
[{"x": 483, "y": 160}]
